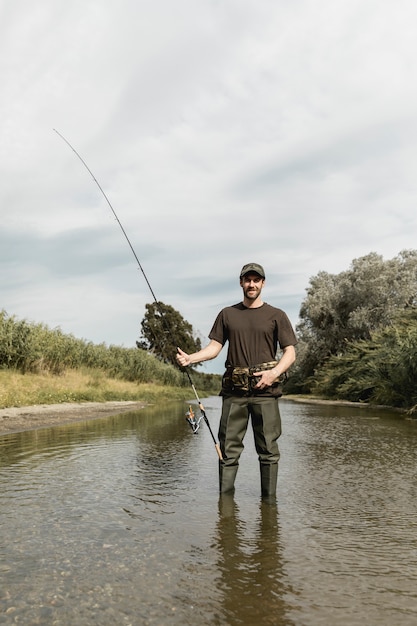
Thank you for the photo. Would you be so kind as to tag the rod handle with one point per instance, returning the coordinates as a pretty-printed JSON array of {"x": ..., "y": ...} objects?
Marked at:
[{"x": 219, "y": 452}]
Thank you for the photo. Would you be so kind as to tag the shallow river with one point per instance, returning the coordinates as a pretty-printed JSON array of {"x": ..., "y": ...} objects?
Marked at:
[{"x": 118, "y": 521}]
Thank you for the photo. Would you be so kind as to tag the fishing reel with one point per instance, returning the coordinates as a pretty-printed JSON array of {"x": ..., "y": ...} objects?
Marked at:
[{"x": 193, "y": 421}]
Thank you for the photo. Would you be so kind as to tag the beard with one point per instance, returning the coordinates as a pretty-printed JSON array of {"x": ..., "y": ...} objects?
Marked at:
[{"x": 251, "y": 293}]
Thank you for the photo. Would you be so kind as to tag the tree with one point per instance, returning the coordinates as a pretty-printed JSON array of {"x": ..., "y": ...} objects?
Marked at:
[
  {"x": 163, "y": 330},
  {"x": 350, "y": 306},
  {"x": 381, "y": 370}
]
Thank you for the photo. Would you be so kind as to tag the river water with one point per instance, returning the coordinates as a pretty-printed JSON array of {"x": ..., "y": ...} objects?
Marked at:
[{"x": 118, "y": 521}]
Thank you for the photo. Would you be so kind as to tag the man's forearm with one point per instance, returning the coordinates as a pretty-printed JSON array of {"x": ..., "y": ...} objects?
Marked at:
[
  {"x": 206, "y": 354},
  {"x": 285, "y": 361}
]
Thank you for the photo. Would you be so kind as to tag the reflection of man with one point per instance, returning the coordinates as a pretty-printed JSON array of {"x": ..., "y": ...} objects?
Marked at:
[
  {"x": 250, "y": 388},
  {"x": 252, "y": 574}
]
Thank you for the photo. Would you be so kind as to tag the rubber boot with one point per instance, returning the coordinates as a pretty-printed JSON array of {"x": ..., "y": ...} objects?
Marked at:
[
  {"x": 269, "y": 478},
  {"x": 227, "y": 475}
]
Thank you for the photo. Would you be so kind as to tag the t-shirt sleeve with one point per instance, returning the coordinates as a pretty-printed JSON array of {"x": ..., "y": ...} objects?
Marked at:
[
  {"x": 286, "y": 334},
  {"x": 218, "y": 331}
]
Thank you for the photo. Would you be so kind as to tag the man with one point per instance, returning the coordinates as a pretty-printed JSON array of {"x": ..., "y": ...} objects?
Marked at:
[{"x": 255, "y": 331}]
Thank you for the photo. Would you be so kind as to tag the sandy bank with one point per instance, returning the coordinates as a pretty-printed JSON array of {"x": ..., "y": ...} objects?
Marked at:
[{"x": 15, "y": 419}]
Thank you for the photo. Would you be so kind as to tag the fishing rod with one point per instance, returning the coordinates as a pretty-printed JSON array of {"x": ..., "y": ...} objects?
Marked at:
[{"x": 194, "y": 423}]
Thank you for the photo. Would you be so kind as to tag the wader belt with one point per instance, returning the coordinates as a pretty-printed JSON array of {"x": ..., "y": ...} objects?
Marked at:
[{"x": 242, "y": 380}]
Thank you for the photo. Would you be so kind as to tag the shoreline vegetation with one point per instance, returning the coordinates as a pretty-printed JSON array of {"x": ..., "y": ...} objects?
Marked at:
[
  {"x": 48, "y": 378},
  {"x": 33, "y": 401},
  {"x": 29, "y": 401}
]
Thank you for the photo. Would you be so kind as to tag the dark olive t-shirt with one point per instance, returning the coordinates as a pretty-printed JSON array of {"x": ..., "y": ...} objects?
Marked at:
[{"x": 254, "y": 335}]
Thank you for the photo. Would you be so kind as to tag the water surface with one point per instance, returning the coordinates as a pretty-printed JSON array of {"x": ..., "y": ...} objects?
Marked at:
[{"x": 119, "y": 521}]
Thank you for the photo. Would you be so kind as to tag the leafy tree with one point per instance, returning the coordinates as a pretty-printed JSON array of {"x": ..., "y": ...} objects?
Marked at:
[
  {"x": 350, "y": 306},
  {"x": 381, "y": 370},
  {"x": 163, "y": 329}
]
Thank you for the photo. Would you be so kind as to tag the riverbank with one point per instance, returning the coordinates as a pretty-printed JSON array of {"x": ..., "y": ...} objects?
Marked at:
[
  {"x": 30, "y": 401},
  {"x": 361, "y": 405},
  {"x": 16, "y": 419}
]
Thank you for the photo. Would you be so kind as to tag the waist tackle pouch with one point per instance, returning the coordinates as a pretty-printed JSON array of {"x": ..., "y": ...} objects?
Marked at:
[{"x": 242, "y": 379}]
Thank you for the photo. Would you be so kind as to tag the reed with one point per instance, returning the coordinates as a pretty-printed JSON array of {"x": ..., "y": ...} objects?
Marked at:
[{"x": 41, "y": 365}]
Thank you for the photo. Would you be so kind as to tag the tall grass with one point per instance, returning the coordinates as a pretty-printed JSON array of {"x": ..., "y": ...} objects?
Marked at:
[{"x": 34, "y": 349}]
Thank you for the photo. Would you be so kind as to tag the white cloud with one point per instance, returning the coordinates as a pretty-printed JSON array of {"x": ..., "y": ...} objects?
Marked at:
[{"x": 221, "y": 132}]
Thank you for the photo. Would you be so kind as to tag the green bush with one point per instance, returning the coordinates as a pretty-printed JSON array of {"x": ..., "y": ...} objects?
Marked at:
[{"x": 381, "y": 370}]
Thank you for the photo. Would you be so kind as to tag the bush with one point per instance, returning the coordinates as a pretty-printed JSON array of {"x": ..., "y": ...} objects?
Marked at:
[{"x": 381, "y": 370}]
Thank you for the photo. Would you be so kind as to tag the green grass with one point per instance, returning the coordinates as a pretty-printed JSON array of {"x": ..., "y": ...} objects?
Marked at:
[
  {"x": 39, "y": 365},
  {"x": 88, "y": 385}
]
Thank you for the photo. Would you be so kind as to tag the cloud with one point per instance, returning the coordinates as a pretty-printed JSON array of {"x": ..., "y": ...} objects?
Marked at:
[{"x": 221, "y": 132}]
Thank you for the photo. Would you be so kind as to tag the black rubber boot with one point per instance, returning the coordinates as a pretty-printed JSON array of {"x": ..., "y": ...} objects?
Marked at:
[
  {"x": 269, "y": 479},
  {"x": 227, "y": 475}
]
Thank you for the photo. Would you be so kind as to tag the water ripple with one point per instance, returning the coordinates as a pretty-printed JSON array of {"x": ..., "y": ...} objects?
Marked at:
[{"x": 119, "y": 521}]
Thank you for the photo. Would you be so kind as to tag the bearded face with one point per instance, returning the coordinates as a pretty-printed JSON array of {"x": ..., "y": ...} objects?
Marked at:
[{"x": 252, "y": 285}]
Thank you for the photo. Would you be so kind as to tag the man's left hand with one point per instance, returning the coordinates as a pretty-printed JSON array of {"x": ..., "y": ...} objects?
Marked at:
[{"x": 266, "y": 378}]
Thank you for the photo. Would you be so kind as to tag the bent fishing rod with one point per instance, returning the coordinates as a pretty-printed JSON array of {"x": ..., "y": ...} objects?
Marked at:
[{"x": 191, "y": 420}]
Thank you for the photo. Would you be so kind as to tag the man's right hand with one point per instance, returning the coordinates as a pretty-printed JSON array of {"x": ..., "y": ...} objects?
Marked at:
[{"x": 183, "y": 358}]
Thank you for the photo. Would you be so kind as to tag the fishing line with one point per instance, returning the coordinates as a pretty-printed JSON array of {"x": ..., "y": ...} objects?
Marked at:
[{"x": 194, "y": 423}]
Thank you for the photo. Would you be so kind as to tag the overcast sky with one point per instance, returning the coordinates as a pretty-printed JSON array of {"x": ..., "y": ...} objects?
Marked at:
[{"x": 222, "y": 131}]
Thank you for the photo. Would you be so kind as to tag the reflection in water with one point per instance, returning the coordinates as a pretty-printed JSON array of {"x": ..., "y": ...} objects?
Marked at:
[
  {"x": 119, "y": 521},
  {"x": 252, "y": 574}
]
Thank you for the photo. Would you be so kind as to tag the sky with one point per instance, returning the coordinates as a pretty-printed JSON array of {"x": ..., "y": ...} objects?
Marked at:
[{"x": 222, "y": 132}]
